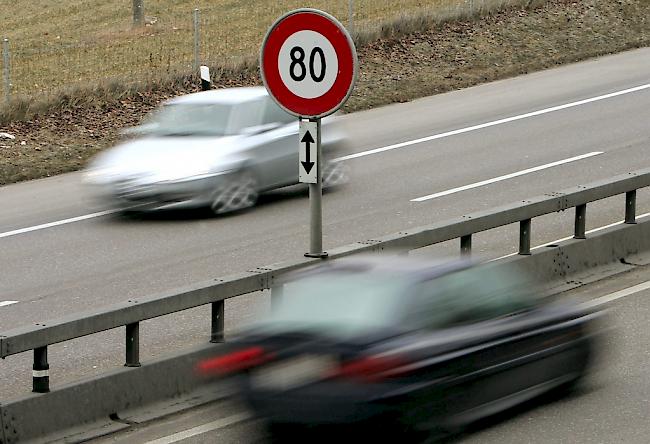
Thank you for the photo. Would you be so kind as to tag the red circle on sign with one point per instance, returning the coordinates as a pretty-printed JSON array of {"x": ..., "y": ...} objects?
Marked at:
[{"x": 332, "y": 30}]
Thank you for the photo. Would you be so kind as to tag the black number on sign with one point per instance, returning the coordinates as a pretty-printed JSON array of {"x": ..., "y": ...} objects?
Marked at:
[
  {"x": 298, "y": 59},
  {"x": 312, "y": 71}
]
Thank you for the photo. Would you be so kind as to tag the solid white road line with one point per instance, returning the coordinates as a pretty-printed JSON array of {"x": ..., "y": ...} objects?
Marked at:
[
  {"x": 594, "y": 230},
  {"x": 505, "y": 177},
  {"x": 494, "y": 123},
  {"x": 56, "y": 223},
  {"x": 616, "y": 295},
  {"x": 199, "y": 430},
  {"x": 5, "y": 303}
]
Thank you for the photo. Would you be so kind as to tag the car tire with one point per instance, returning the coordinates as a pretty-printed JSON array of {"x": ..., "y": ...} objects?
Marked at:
[
  {"x": 238, "y": 193},
  {"x": 335, "y": 174}
]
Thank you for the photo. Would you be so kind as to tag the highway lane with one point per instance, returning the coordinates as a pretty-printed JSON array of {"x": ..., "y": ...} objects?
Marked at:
[
  {"x": 84, "y": 264},
  {"x": 611, "y": 406}
]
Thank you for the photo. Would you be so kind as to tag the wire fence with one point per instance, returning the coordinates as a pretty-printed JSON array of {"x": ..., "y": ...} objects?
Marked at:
[{"x": 171, "y": 42}]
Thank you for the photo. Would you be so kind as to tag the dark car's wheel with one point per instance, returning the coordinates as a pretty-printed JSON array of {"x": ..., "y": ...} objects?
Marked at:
[
  {"x": 237, "y": 193},
  {"x": 335, "y": 174}
]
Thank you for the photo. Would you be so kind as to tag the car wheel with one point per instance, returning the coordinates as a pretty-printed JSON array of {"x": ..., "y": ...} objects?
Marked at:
[
  {"x": 239, "y": 192},
  {"x": 335, "y": 174}
]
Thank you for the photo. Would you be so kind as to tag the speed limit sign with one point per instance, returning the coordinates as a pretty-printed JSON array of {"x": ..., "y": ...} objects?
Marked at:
[{"x": 308, "y": 63}]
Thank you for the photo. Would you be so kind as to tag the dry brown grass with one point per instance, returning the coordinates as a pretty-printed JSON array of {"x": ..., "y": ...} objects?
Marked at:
[{"x": 67, "y": 42}]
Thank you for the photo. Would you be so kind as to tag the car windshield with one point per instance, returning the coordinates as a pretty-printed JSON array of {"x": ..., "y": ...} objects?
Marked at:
[
  {"x": 189, "y": 119},
  {"x": 338, "y": 303}
]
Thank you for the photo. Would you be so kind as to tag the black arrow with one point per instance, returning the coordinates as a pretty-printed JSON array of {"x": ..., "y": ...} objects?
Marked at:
[{"x": 307, "y": 139}]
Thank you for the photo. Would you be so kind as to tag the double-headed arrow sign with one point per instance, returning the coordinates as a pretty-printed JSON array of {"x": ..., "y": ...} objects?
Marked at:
[{"x": 308, "y": 168}]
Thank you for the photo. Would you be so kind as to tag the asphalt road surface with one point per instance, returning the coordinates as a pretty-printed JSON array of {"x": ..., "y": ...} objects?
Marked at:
[
  {"x": 413, "y": 164},
  {"x": 611, "y": 406}
]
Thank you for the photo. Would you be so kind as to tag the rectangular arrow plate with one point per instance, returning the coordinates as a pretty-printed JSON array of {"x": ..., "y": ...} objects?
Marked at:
[{"x": 307, "y": 152}]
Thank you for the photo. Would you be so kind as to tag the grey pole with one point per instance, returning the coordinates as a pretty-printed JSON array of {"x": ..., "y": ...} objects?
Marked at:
[
  {"x": 5, "y": 64},
  {"x": 197, "y": 39},
  {"x": 351, "y": 16},
  {"x": 138, "y": 12},
  {"x": 316, "y": 203}
]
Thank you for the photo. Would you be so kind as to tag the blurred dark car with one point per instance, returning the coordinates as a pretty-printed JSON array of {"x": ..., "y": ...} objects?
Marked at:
[
  {"x": 411, "y": 344},
  {"x": 218, "y": 149}
]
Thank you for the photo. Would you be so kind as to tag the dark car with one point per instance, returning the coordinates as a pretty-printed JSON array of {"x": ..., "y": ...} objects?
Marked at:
[{"x": 411, "y": 344}]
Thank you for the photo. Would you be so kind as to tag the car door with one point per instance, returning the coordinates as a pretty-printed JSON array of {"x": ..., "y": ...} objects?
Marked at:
[
  {"x": 270, "y": 138},
  {"x": 280, "y": 144},
  {"x": 476, "y": 321}
]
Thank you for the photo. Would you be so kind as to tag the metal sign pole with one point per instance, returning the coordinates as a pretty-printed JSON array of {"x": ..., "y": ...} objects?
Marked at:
[
  {"x": 310, "y": 90},
  {"x": 316, "y": 202}
]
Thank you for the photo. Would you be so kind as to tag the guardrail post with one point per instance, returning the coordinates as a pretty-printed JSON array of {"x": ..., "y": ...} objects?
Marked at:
[
  {"x": 630, "y": 207},
  {"x": 216, "y": 331},
  {"x": 579, "y": 225},
  {"x": 41, "y": 371},
  {"x": 132, "y": 345},
  {"x": 466, "y": 245},
  {"x": 524, "y": 237}
]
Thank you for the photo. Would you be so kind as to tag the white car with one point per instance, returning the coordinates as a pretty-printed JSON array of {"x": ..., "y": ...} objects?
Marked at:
[{"x": 216, "y": 149}]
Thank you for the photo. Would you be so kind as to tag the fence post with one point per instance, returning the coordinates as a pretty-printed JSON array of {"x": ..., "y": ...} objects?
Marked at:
[
  {"x": 6, "y": 72},
  {"x": 197, "y": 39},
  {"x": 138, "y": 12},
  {"x": 40, "y": 371},
  {"x": 351, "y": 16}
]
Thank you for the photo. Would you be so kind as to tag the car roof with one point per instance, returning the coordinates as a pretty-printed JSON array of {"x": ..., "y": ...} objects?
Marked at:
[
  {"x": 413, "y": 269},
  {"x": 223, "y": 95}
]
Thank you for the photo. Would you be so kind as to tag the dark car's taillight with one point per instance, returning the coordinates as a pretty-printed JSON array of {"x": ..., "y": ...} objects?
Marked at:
[
  {"x": 233, "y": 362},
  {"x": 372, "y": 368}
]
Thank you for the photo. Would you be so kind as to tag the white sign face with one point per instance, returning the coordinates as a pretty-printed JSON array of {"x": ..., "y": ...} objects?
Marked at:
[
  {"x": 308, "y": 152},
  {"x": 308, "y": 64}
]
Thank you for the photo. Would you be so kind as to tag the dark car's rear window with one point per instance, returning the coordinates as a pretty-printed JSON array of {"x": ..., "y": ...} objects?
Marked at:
[{"x": 340, "y": 302}]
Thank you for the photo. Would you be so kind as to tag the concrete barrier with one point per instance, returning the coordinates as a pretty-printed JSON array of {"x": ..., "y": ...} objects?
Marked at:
[
  {"x": 99, "y": 401},
  {"x": 50, "y": 416}
]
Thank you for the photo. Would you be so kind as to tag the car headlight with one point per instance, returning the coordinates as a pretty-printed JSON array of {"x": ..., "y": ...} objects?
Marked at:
[{"x": 99, "y": 174}]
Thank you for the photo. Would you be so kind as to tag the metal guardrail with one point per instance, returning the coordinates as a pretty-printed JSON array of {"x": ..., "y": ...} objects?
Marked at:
[{"x": 130, "y": 313}]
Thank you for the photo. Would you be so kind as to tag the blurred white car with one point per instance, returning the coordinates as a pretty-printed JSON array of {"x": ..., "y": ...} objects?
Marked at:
[{"x": 218, "y": 148}]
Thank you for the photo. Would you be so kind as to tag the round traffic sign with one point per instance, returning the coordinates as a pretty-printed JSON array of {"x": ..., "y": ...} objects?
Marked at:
[{"x": 308, "y": 63}]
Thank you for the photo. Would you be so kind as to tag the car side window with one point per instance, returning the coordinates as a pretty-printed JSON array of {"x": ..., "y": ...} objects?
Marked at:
[
  {"x": 245, "y": 115},
  {"x": 274, "y": 114},
  {"x": 471, "y": 295}
]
